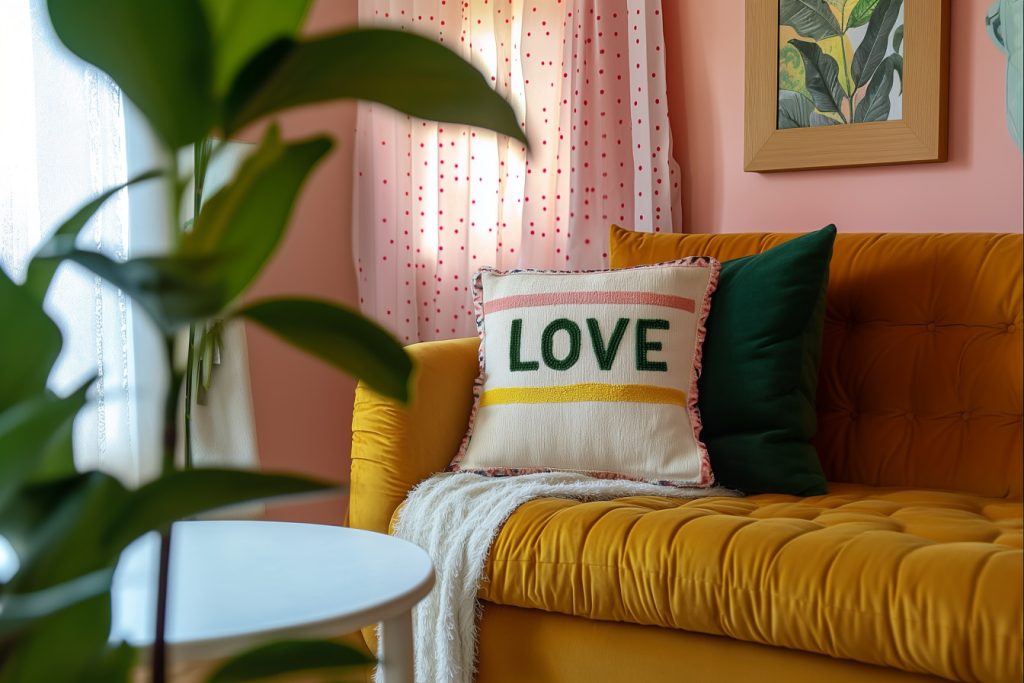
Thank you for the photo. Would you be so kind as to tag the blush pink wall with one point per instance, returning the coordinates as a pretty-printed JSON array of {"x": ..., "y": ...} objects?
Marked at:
[
  {"x": 303, "y": 408},
  {"x": 979, "y": 188}
]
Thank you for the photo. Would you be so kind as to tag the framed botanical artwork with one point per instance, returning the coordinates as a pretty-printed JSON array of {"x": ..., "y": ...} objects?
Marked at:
[{"x": 833, "y": 83}]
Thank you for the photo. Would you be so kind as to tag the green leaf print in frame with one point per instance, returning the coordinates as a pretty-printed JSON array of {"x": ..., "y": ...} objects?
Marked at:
[{"x": 840, "y": 62}]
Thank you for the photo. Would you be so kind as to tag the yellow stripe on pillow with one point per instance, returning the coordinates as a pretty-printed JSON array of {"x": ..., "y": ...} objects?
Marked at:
[{"x": 580, "y": 393}]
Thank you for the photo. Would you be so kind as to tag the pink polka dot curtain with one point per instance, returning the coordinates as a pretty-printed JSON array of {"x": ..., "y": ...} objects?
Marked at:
[{"x": 435, "y": 202}]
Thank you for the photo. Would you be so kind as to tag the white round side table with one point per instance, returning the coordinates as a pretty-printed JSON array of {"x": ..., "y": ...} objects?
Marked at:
[{"x": 235, "y": 584}]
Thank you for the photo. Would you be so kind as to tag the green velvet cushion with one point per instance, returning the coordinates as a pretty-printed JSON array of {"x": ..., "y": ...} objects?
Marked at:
[{"x": 760, "y": 368}]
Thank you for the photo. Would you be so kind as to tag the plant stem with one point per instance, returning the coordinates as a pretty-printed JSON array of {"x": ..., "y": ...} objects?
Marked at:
[
  {"x": 159, "y": 659},
  {"x": 846, "y": 67},
  {"x": 170, "y": 427},
  {"x": 190, "y": 374},
  {"x": 201, "y": 157},
  {"x": 170, "y": 439}
]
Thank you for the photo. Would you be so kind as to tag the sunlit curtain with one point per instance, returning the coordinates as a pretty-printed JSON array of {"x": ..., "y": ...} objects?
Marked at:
[
  {"x": 65, "y": 136},
  {"x": 435, "y": 202},
  {"x": 62, "y": 140}
]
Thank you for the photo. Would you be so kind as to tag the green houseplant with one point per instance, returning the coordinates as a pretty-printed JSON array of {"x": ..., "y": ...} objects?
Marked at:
[{"x": 196, "y": 69}]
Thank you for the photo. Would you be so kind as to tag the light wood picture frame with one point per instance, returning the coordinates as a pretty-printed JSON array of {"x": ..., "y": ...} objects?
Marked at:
[{"x": 918, "y": 136}]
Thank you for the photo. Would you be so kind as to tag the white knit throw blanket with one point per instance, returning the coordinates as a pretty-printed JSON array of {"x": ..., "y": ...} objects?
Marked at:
[{"x": 455, "y": 517}]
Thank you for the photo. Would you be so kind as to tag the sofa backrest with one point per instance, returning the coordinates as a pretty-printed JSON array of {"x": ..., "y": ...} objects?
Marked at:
[{"x": 922, "y": 370}]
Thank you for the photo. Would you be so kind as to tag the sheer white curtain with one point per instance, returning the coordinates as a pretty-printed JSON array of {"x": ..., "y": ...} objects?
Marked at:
[
  {"x": 66, "y": 134},
  {"x": 435, "y": 202},
  {"x": 62, "y": 140}
]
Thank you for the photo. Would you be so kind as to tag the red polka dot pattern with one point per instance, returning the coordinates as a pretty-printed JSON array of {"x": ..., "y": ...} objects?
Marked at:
[{"x": 435, "y": 202}]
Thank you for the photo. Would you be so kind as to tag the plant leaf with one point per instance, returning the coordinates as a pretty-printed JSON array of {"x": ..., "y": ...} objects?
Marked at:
[
  {"x": 861, "y": 13},
  {"x": 822, "y": 76},
  {"x": 156, "y": 505},
  {"x": 810, "y": 18},
  {"x": 35, "y": 440},
  {"x": 289, "y": 656},
  {"x": 66, "y": 647},
  {"x": 57, "y": 458},
  {"x": 58, "y": 528},
  {"x": 40, "y": 273},
  {"x": 245, "y": 220},
  {"x": 822, "y": 120},
  {"x": 876, "y": 103},
  {"x": 840, "y": 49},
  {"x": 875, "y": 42},
  {"x": 235, "y": 234},
  {"x": 29, "y": 345},
  {"x": 241, "y": 28},
  {"x": 114, "y": 664},
  {"x": 797, "y": 111},
  {"x": 65, "y": 529},
  {"x": 791, "y": 70},
  {"x": 794, "y": 110},
  {"x": 897, "y": 39},
  {"x": 173, "y": 290},
  {"x": 405, "y": 71},
  {"x": 20, "y": 610},
  {"x": 158, "y": 53},
  {"x": 341, "y": 337}
]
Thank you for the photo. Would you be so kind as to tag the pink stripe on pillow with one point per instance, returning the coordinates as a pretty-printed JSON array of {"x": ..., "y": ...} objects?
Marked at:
[{"x": 576, "y": 298}]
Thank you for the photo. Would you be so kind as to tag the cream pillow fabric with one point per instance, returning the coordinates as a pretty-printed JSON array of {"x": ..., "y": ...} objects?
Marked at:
[{"x": 591, "y": 372}]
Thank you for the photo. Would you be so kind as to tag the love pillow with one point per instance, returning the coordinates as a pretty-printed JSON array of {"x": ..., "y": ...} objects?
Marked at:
[{"x": 592, "y": 372}]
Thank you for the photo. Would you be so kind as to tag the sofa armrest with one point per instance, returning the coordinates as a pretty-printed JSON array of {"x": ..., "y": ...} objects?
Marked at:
[{"x": 396, "y": 447}]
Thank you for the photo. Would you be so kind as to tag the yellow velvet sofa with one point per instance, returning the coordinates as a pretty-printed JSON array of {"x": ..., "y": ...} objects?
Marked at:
[{"x": 909, "y": 569}]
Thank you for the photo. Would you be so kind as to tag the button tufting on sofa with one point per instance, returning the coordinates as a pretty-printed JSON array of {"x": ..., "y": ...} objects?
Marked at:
[{"x": 759, "y": 568}]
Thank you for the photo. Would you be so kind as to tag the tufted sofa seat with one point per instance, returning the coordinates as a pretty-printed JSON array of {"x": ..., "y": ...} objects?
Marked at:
[
  {"x": 922, "y": 580},
  {"x": 909, "y": 569}
]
